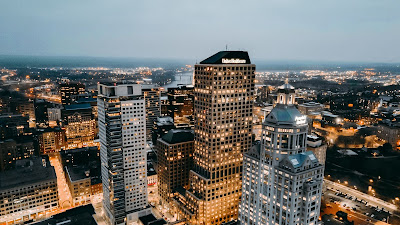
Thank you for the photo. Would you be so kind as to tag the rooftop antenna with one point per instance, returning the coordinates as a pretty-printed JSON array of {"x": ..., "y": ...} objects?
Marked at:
[{"x": 226, "y": 47}]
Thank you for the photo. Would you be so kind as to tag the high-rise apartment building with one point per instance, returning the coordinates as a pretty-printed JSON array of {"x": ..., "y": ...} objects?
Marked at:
[
  {"x": 223, "y": 111},
  {"x": 282, "y": 182},
  {"x": 122, "y": 132},
  {"x": 175, "y": 160},
  {"x": 152, "y": 96}
]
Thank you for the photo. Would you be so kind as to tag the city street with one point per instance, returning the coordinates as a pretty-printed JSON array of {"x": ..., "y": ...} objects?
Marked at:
[
  {"x": 64, "y": 193},
  {"x": 360, "y": 207},
  {"x": 360, "y": 195}
]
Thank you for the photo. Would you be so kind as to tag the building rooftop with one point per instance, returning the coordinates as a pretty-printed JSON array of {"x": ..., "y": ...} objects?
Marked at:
[
  {"x": 151, "y": 220},
  {"x": 233, "y": 57},
  {"x": 27, "y": 172},
  {"x": 286, "y": 88},
  {"x": 76, "y": 173},
  {"x": 178, "y": 136},
  {"x": 85, "y": 100},
  {"x": 78, "y": 106},
  {"x": 286, "y": 114},
  {"x": 254, "y": 151},
  {"x": 82, "y": 163},
  {"x": 76, "y": 216},
  {"x": 298, "y": 160}
]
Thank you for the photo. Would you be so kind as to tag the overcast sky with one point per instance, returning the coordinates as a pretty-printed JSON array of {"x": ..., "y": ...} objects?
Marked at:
[{"x": 316, "y": 30}]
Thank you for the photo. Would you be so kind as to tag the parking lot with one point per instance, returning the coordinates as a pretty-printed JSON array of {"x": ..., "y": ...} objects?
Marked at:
[{"x": 358, "y": 210}]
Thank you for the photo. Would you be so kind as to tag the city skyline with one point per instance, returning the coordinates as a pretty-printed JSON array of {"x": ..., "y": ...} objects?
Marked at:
[
  {"x": 277, "y": 112},
  {"x": 356, "y": 31}
]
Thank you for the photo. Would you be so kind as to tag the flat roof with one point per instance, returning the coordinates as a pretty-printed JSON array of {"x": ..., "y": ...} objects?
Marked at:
[
  {"x": 27, "y": 171},
  {"x": 77, "y": 172},
  {"x": 175, "y": 136},
  {"x": 78, "y": 106},
  {"x": 151, "y": 220},
  {"x": 76, "y": 216}
]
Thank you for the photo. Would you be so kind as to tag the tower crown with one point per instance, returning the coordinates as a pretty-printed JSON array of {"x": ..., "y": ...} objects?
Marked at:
[{"x": 286, "y": 94}]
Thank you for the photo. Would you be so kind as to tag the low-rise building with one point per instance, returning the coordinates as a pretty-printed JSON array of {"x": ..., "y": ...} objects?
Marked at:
[
  {"x": 310, "y": 107},
  {"x": 390, "y": 133},
  {"x": 82, "y": 172},
  {"x": 78, "y": 215},
  {"x": 78, "y": 180},
  {"x": 51, "y": 140},
  {"x": 28, "y": 192},
  {"x": 318, "y": 147}
]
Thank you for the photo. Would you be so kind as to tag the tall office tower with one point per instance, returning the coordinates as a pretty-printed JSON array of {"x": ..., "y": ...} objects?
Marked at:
[
  {"x": 223, "y": 111},
  {"x": 152, "y": 96},
  {"x": 68, "y": 90},
  {"x": 282, "y": 182},
  {"x": 175, "y": 160},
  {"x": 122, "y": 132}
]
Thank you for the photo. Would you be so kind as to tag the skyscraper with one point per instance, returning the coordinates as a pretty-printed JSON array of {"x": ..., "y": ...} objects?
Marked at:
[
  {"x": 223, "y": 110},
  {"x": 122, "y": 131},
  {"x": 282, "y": 182}
]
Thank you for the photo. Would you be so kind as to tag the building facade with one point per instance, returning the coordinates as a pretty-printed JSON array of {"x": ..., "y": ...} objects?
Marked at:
[
  {"x": 122, "y": 132},
  {"x": 30, "y": 196},
  {"x": 223, "y": 111},
  {"x": 175, "y": 160},
  {"x": 282, "y": 182},
  {"x": 152, "y": 96},
  {"x": 80, "y": 126},
  {"x": 51, "y": 140},
  {"x": 68, "y": 90},
  {"x": 317, "y": 145},
  {"x": 180, "y": 105},
  {"x": 390, "y": 133}
]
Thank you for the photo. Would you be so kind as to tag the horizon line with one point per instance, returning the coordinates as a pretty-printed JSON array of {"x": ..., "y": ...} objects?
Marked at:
[{"x": 182, "y": 60}]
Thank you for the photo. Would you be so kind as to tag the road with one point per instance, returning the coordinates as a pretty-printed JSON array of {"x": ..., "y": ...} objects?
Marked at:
[
  {"x": 332, "y": 187},
  {"x": 360, "y": 195},
  {"x": 64, "y": 194}
]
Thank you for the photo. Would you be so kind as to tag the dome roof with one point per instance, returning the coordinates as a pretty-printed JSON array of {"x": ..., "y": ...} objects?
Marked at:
[
  {"x": 286, "y": 115},
  {"x": 286, "y": 88}
]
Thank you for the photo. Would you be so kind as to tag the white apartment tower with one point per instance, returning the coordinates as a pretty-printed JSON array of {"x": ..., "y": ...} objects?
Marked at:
[
  {"x": 122, "y": 131},
  {"x": 282, "y": 182}
]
